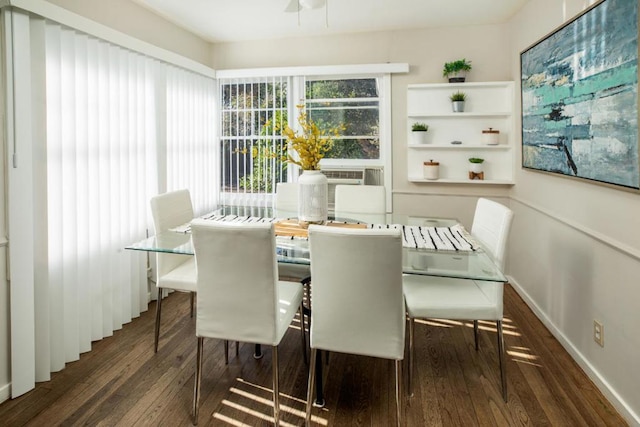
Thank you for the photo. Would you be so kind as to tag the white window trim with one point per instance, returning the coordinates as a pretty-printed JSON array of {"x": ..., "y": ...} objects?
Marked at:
[{"x": 320, "y": 70}]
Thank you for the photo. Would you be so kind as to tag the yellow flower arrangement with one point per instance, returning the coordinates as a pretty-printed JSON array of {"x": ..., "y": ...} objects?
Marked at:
[{"x": 311, "y": 144}]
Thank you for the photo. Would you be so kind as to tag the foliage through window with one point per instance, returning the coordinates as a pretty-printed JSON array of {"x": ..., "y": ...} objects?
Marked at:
[
  {"x": 252, "y": 150},
  {"x": 353, "y": 103}
]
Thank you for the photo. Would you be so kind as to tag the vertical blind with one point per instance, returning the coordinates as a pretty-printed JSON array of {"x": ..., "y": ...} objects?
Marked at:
[
  {"x": 100, "y": 102},
  {"x": 252, "y": 147},
  {"x": 118, "y": 128},
  {"x": 191, "y": 153}
]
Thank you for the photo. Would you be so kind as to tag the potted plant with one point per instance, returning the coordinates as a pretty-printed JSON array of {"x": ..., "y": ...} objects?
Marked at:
[
  {"x": 457, "y": 101},
  {"x": 475, "y": 168},
  {"x": 419, "y": 133},
  {"x": 311, "y": 144},
  {"x": 456, "y": 71}
]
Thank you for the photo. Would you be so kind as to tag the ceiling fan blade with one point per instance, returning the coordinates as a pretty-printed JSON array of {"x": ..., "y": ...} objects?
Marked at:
[
  {"x": 312, "y": 4},
  {"x": 299, "y": 5},
  {"x": 292, "y": 6}
]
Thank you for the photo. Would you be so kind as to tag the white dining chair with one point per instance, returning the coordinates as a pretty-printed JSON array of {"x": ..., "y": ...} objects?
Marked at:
[
  {"x": 239, "y": 295},
  {"x": 357, "y": 305},
  {"x": 286, "y": 202},
  {"x": 366, "y": 203},
  {"x": 174, "y": 272},
  {"x": 464, "y": 299}
]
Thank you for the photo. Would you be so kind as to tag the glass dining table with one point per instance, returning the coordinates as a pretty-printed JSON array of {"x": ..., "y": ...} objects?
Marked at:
[
  {"x": 469, "y": 262},
  {"x": 475, "y": 264}
]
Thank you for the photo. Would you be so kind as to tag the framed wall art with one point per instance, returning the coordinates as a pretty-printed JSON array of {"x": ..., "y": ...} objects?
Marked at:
[{"x": 580, "y": 97}]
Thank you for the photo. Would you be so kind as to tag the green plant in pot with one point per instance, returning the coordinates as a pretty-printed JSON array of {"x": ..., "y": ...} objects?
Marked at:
[
  {"x": 457, "y": 101},
  {"x": 475, "y": 164},
  {"x": 419, "y": 133},
  {"x": 456, "y": 71}
]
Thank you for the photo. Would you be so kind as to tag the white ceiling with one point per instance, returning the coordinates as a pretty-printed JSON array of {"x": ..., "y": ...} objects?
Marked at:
[{"x": 234, "y": 20}]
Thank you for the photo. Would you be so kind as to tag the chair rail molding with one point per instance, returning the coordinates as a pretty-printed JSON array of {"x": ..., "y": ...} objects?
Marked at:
[{"x": 606, "y": 240}]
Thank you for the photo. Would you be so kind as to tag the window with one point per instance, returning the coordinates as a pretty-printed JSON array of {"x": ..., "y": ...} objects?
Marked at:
[
  {"x": 354, "y": 103},
  {"x": 251, "y": 149}
]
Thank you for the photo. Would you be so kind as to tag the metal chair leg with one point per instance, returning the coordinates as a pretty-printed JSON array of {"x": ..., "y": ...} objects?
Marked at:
[
  {"x": 399, "y": 405},
  {"x": 276, "y": 388},
  {"x": 158, "y": 314},
  {"x": 237, "y": 349},
  {"x": 193, "y": 302},
  {"x": 311, "y": 385},
  {"x": 503, "y": 367},
  {"x": 412, "y": 325},
  {"x": 226, "y": 352},
  {"x": 196, "y": 387},
  {"x": 475, "y": 332},
  {"x": 304, "y": 338}
]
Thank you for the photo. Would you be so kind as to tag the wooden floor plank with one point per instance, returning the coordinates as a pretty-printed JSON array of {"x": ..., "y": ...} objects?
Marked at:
[{"x": 122, "y": 382}]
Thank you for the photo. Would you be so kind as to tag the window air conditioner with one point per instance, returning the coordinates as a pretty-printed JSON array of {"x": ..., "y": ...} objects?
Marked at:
[{"x": 350, "y": 176}]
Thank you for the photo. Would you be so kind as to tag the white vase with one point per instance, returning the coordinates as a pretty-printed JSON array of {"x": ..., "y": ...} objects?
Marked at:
[{"x": 312, "y": 197}]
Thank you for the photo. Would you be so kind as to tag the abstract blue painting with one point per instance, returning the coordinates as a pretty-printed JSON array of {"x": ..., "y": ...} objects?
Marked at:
[{"x": 580, "y": 97}]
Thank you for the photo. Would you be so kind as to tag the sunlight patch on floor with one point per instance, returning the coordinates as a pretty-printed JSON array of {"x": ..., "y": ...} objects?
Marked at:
[{"x": 269, "y": 402}]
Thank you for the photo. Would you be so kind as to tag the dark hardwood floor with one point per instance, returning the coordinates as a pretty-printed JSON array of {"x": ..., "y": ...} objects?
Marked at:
[{"x": 122, "y": 382}]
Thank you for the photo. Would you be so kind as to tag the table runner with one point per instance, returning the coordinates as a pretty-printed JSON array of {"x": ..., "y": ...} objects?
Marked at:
[{"x": 454, "y": 238}]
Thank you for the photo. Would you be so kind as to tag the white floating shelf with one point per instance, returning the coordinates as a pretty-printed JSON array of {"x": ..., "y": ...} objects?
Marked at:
[
  {"x": 459, "y": 147},
  {"x": 460, "y": 115},
  {"x": 462, "y": 181}
]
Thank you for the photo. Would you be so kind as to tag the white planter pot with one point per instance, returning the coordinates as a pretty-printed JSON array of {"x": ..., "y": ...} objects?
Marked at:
[
  {"x": 312, "y": 197},
  {"x": 475, "y": 167},
  {"x": 418, "y": 137}
]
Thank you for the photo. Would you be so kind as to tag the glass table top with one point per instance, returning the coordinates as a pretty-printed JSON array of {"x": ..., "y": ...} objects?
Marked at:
[{"x": 476, "y": 265}]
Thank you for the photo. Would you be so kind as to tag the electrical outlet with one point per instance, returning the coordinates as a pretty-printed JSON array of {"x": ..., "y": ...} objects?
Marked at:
[{"x": 598, "y": 333}]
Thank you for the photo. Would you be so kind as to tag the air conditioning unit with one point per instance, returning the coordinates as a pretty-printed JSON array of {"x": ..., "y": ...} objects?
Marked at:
[{"x": 350, "y": 176}]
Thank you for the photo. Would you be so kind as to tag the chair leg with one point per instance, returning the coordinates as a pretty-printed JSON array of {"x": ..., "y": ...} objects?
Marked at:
[
  {"x": 503, "y": 368},
  {"x": 193, "y": 302},
  {"x": 237, "y": 349},
  {"x": 276, "y": 388},
  {"x": 304, "y": 338},
  {"x": 196, "y": 387},
  {"x": 399, "y": 405},
  {"x": 412, "y": 325},
  {"x": 226, "y": 352},
  {"x": 311, "y": 385},
  {"x": 475, "y": 332},
  {"x": 158, "y": 314}
]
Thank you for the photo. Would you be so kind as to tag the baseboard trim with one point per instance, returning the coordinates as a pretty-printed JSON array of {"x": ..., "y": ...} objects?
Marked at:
[
  {"x": 601, "y": 383},
  {"x": 5, "y": 392}
]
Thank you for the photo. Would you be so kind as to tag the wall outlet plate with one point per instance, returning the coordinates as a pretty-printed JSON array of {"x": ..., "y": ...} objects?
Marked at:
[{"x": 598, "y": 333}]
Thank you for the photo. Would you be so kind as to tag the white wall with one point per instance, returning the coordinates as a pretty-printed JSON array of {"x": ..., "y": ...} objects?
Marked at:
[{"x": 575, "y": 256}]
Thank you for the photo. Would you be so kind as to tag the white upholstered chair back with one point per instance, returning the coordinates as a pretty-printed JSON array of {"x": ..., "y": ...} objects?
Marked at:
[
  {"x": 170, "y": 210},
  {"x": 357, "y": 305},
  {"x": 491, "y": 225},
  {"x": 287, "y": 197},
  {"x": 362, "y": 202},
  {"x": 237, "y": 281}
]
